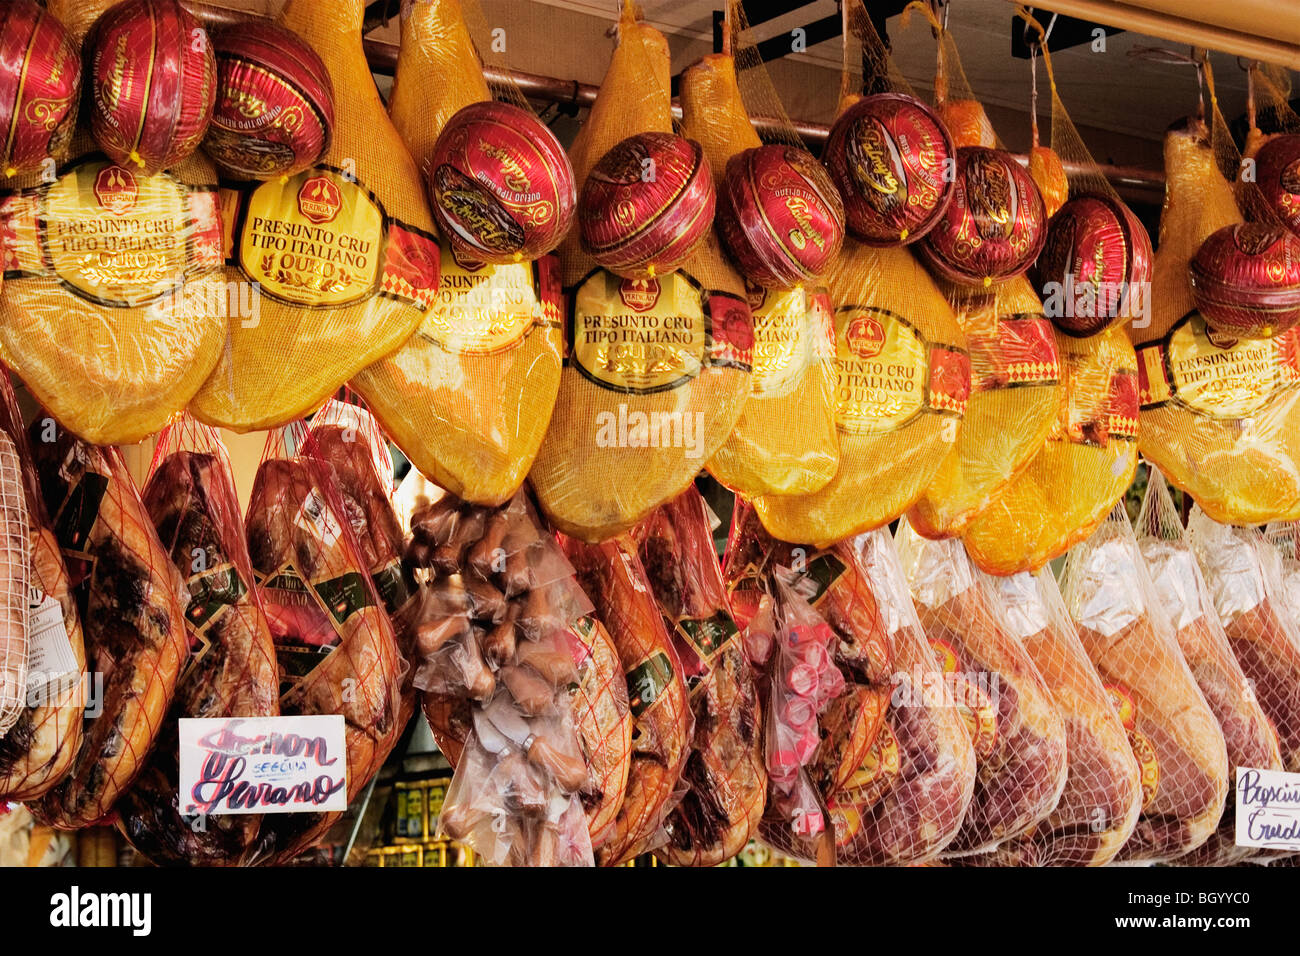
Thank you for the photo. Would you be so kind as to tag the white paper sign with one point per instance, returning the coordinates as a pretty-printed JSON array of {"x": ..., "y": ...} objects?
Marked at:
[
  {"x": 51, "y": 665},
  {"x": 262, "y": 765},
  {"x": 1268, "y": 809}
]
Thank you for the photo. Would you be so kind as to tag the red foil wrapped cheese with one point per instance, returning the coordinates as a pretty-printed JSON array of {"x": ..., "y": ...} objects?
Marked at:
[
  {"x": 1095, "y": 252},
  {"x": 646, "y": 204},
  {"x": 780, "y": 216},
  {"x": 995, "y": 225},
  {"x": 500, "y": 184},
  {"x": 274, "y": 113},
  {"x": 39, "y": 86},
  {"x": 1277, "y": 171},
  {"x": 1246, "y": 280},
  {"x": 887, "y": 154},
  {"x": 153, "y": 83}
]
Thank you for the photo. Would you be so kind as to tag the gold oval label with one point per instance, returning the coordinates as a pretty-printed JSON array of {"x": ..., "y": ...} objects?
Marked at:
[
  {"x": 114, "y": 236},
  {"x": 481, "y": 309},
  {"x": 882, "y": 366},
  {"x": 316, "y": 239},
  {"x": 639, "y": 335},
  {"x": 1232, "y": 380},
  {"x": 788, "y": 327}
]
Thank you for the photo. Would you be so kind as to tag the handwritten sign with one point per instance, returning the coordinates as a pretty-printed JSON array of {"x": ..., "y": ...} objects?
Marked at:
[
  {"x": 262, "y": 765},
  {"x": 1268, "y": 809}
]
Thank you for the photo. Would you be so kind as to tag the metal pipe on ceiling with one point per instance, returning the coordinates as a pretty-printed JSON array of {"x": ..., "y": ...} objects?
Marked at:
[
  {"x": 1142, "y": 184},
  {"x": 1201, "y": 23}
]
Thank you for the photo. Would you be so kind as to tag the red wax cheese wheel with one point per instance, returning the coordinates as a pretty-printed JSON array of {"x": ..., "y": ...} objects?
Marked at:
[
  {"x": 500, "y": 184},
  {"x": 780, "y": 216},
  {"x": 39, "y": 86},
  {"x": 646, "y": 204},
  {"x": 1277, "y": 170},
  {"x": 995, "y": 225},
  {"x": 887, "y": 154},
  {"x": 274, "y": 113},
  {"x": 153, "y": 82},
  {"x": 1096, "y": 250},
  {"x": 1246, "y": 280}
]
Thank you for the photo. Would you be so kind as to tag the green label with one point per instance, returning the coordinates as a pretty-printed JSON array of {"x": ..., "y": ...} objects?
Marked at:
[
  {"x": 79, "y": 511},
  {"x": 647, "y": 681},
  {"x": 344, "y": 595},
  {"x": 709, "y": 635},
  {"x": 211, "y": 593},
  {"x": 395, "y": 585},
  {"x": 823, "y": 571}
]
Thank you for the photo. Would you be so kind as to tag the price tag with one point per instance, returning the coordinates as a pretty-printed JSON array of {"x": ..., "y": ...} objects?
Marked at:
[
  {"x": 262, "y": 765},
  {"x": 51, "y": 665},
  {"x": 1268, "y": 809}
]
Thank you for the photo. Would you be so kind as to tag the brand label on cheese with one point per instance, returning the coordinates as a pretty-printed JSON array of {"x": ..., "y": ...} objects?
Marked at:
[
  {"x": 640, "y": 336},
  {"x": 110, "y": 235},
  {"x": 483, "y": 309},
  {"x": 320, "y": 239},
  {"x": 1216, "y": 377},
  {"x": 792, "y": 329},
  {"x": 888, "y": 374}
]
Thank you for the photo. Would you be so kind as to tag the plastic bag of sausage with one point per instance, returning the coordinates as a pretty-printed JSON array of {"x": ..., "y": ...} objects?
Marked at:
[
  {"x": 1244, "y": 576},
  {"x": 131, "y": 601},
  {"x": 38, "y": 750},
  {"x": 1133, "y": 645},
  {"x": 499, "y": 655},
  {"x": 663, "y": 726},
  {"x": 725, "y": 779},
  {"x": 770, "y": 583},
  {"x": 1099, "y": 806},
  {"x": 334, "y": 642},
  {"x": 1247, "y": 734},
  {"x": 907, "y": 799},
  {"x": 1018, "y": 735},
  {"x": 231, "y": 671}
]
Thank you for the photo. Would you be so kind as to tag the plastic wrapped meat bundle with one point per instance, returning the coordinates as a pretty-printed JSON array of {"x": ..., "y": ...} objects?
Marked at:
[
  {"x": 657, "y": 368},
  {"x": 1242, "y": 572},
  {"x": 1018, "y": 736},
  {"x": 357, "y": 283},
  {"x": 349, "y": 438},
  {"x": 498, "y": 593},
  {"x": 131, "y": 600},
  {"x": 725, "y": 780},
  {"x": 818, "y": 609},
  {"x": 1103, "y": 789},
  {"x": 1173, "y": 732},
  {"x": 334, "y": 643},
  {"x": 469, "y": 395},
  {"x": 231, "y": 671},
  {"x": 38, "y": 750},
  {"x": 1220, "y": 416},
  {"x": 1285, "y": 538},
  {"x": 115, "y": 342},
  {"x": 907, "y": 800},
  {"x": 1249, "y": 737},
  {"x": 614, "y": 579}
]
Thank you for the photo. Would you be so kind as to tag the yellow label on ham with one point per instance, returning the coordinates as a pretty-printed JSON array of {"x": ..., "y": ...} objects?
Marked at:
[
  {"x": 882, "y": 367},
  {"x": 316, "y": 239},
  {"x": 481, "y": 309},
  {"x": 639, "y": 335},
  {"x": 789, "y": 328},
  {"x": 115, "y": 236}
]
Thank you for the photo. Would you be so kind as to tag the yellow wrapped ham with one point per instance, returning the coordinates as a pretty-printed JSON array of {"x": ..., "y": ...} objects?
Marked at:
[
  {"x": 1082, "y": 469},
  {"x": 785, "y": 441},
  {"x": 467, "y": 398},
  {"x": 903, "y": 383},
  {"x": 657, "y": 369},
  {"x": 343, "y": 255},
  {"x": 1221, "y": 418}
]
